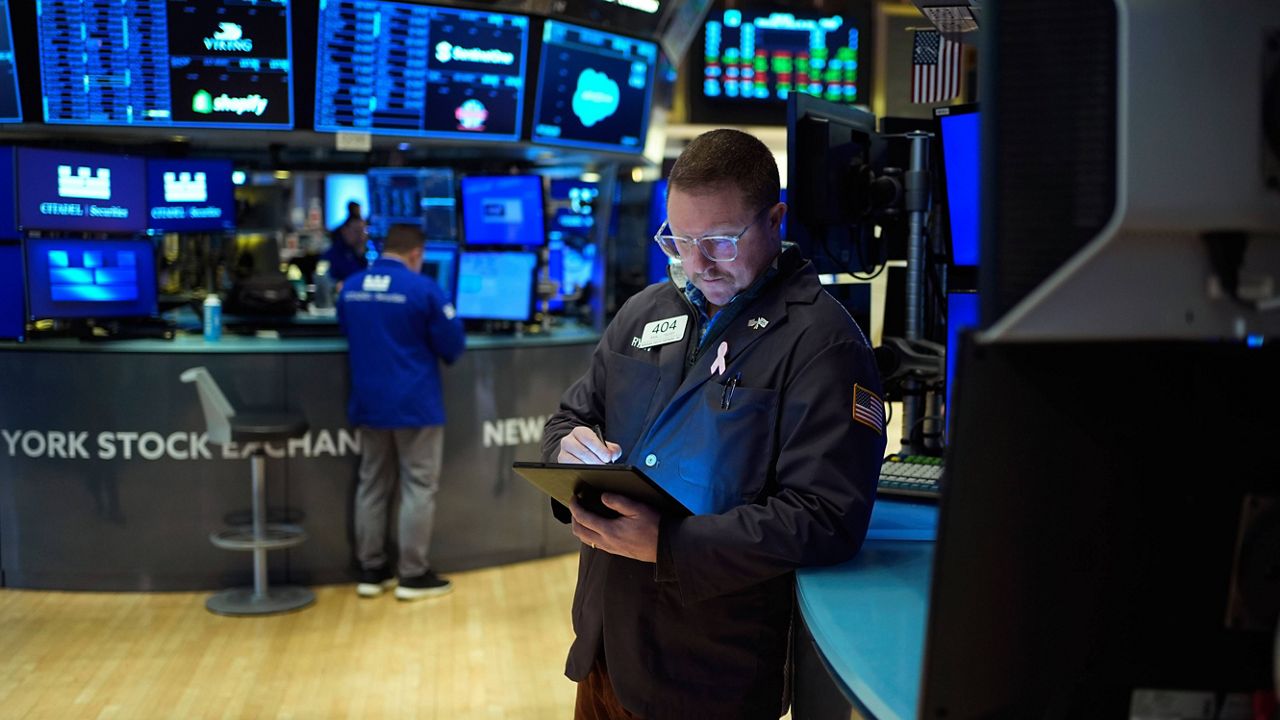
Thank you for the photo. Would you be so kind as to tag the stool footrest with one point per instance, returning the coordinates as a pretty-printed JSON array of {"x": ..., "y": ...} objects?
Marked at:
[
  {"x": 242, "y": 601},
  {"x": 274, "y": 537}
]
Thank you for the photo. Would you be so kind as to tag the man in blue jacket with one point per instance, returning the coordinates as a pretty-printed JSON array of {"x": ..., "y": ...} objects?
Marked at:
[{"x": 399, "y": 326}]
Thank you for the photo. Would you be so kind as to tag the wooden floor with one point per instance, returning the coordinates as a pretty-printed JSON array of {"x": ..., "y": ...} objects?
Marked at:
[{"x": 494, "y": 648}]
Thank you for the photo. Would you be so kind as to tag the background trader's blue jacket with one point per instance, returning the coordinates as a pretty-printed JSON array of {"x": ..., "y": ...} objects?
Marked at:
[{"x": 399, "y": 325}]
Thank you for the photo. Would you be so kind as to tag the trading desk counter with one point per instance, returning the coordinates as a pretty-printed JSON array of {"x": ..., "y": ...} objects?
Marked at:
[
  {"x": 107, "y": 481},
  {"x": 867, "y": 616}
]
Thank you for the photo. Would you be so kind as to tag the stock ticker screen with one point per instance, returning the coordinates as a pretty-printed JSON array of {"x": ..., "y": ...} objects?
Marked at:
[
  {"x": 155, "y": 63},
  {"x": 594, "y": 88},
  {"x": 418, "y": 70},
  {"x": 10, "y": 106},
  {"x": 758, "y": 59}
]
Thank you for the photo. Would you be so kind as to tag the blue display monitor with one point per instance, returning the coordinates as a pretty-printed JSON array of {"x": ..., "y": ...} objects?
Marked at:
[
  {"x": 958, "y": 128},
  {"x": 413, "y": 196},
  {"x": 503, "y": 210},
  {"x": 160, "y": 63},
  {"x": 440, "y": 263},
  {"x": 8, "y": 218},
  {"x": 962, "y": 314},
  {"x": 10, "y": 103},
  {"x": 752, "y": 60},
  {"x": 12, "y": 294},
  {"x": 340, "y": 189},
  {"x": 90, "y": 278},
  {"x": 407, "y": 69},
  {"x": 594, "y": 88},
  {"x": 496, "y": 285},
  {"x": 571, "y": 247},
  {"x": 92, "y": 192},
  {"x": 190, "y": 196}
]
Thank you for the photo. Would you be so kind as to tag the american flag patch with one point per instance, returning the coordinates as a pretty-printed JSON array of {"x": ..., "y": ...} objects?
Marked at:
[{"x": 868, "y": 409}]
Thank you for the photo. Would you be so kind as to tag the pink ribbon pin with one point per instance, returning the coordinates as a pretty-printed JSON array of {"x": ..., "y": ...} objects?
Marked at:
[{"x": 719, "y": 365}]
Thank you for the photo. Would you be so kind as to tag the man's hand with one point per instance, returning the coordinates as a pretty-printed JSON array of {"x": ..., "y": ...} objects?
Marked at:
[
  {"x": 634, "y": 534},
  {"x": 582, "y": 446}
]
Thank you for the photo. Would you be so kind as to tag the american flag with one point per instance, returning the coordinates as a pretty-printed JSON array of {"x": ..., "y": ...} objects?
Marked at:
[
  {"x": 935, "y": 68},
  {"x": 868, "y": 409}
]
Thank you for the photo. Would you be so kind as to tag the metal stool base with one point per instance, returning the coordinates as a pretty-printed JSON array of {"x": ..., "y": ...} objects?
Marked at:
[{"x": 241, "y": 601}]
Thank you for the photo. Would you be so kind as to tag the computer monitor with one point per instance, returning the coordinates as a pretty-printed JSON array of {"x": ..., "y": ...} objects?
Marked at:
[
  {"x": 594, "y": 89},
  {"x": 753, "y": 58},
  {"x": 80, "y": 279},
  {"x": 830, "y": 150},
  {"x": 496, "y": 285},
  {"x": 12, "y": 293},
  {"x": 423, "y": 197},
  {"x": 962, "y": 315},
  {"x": 8, "y": 197},
  {"x": 190, "y": 196},
  {"x": 91, "y": 192},
  {"x": 1108, "y": 532},
  {"x": 958, "y": 135},
  {"x": 440, "y": 263},
  {"x": 418, "y": 70},
  {"x": 503, "y": 210},
  {"x": 340, "y": 189},
  {"x": 10, "y": 102},
  {"x": 192, "y": 63},
  {"x": 571, "y": 246}
]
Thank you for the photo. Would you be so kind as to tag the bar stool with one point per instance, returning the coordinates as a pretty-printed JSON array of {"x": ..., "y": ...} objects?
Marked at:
[{"x": 224, "y": 426}]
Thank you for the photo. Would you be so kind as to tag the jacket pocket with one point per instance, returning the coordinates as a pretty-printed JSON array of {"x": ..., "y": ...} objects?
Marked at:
[
  {"x": 630, "y": 385},
  {"x": 726, "y": 451}
]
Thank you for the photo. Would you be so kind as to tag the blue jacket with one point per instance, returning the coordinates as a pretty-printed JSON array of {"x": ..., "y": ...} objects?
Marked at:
[
  {"x": 399, "y": 326},
  {"x": 344, "y": 261}
]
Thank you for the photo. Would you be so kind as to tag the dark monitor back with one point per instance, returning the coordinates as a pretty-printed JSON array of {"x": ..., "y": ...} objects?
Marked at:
[{"x": 1110, "y": 521}]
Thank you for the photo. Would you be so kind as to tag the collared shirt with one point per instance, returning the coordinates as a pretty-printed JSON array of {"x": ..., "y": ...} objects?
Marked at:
[{"x": 699, "y": 301}]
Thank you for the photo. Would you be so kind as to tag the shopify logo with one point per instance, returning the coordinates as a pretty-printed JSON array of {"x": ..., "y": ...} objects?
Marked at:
[
  {"x": 229, "y": 37},
  {"x": 204, "y": 103},
  {"x": 446, "y": 51}
]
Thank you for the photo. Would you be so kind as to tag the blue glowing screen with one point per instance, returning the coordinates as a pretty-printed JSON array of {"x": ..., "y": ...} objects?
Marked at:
[
  {"x": 159, "y": 63},
  {"x": 496, "y": 285},
  {"x": 571, "y": 247},
  {"x": 60, "y": 190},
  {"x": 962, "y": 314},
  {"x": 10, "y": 104},
  {"x": 12, "y": 316},
  {"x": 415, "y": 196},
  {"x": 960, "y": 164},
  {"x": 594, "y": 88},
  {"x": 440, "y": 263},
  {"x": 408, "y": 69},
  {"x": 8, "y": 220},
  {"x": 190, "y": 195},
  {"x": 90, "y": 278},
  {"x": 503, "y": 210}
]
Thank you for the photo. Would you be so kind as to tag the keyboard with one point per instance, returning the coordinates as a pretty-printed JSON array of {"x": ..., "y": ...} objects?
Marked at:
[{"x": 912, "y": 477}]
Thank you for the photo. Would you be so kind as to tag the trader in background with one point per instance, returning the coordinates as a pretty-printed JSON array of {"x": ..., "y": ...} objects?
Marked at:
[
  {"x": 347, "y": 246},
  {"x": 400, "y": 326},
  {"x": 747, "y": 392}
]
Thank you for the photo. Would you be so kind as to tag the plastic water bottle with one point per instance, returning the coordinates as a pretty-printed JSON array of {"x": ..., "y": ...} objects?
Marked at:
[{"x": 212, "y": 318}]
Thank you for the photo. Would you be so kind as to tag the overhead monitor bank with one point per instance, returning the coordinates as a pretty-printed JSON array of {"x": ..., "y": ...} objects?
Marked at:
[
  {"x": 418, "y": 70},
  {"x": 158, "y": 63}
]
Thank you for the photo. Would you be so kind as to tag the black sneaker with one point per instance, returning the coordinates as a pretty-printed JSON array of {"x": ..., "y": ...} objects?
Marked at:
[
  {"x": 374, "y": 582},
  {"x": 425, "y": 585}
]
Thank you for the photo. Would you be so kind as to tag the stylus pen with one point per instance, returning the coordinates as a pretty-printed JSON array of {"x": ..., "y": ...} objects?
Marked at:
[{"x": 599, "y": 431}]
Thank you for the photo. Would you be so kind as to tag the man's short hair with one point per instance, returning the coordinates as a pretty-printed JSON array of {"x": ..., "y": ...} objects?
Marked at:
[
  {"x": 402, "y": 239},
  {"x": 732, "y": 158}
]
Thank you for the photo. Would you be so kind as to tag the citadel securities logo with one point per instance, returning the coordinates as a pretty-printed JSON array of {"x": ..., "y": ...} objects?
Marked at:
[
  {"x": 447, "y": 51},
  {"x": 84, "y": 183},
  {"x": 205, "y": 103},
  {"x": 185, "y": 187},
  {"x": 376, "y": 283},
  {"x": 229, "y": 37},
  {"x": 595, "y": 98},
  {"x": 181, "y": 445}
]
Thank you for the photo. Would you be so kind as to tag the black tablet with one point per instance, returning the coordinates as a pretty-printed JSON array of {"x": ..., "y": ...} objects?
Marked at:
[{"x": 563, "y": 481}]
